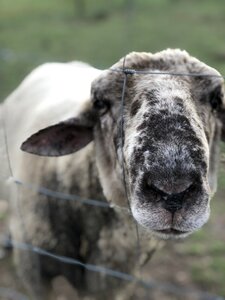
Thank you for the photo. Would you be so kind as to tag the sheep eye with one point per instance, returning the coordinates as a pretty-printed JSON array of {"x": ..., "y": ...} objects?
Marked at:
[{"x": 101, "y": 105}]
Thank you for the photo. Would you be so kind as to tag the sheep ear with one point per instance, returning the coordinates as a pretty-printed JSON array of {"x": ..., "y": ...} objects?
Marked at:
[{"x": 60, "y": 139}]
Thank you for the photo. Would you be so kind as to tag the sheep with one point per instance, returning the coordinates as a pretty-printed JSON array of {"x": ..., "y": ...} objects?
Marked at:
[
  {"x": 37, "y": 101},
  {"x": 157, "y": 155}
]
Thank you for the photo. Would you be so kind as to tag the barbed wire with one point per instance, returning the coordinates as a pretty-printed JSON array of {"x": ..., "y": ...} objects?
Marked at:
[{"x": 164, "y": 287}]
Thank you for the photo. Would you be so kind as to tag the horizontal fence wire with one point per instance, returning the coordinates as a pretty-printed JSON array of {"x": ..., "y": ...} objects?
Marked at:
[
  {"x": 164, "y": 287},
  {"x": 67, "y": 197},
  {"x": 158, "y": 73},
  {"x": 9, "y": 55}
]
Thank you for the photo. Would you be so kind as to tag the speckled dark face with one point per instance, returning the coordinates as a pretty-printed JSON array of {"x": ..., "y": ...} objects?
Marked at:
[{"x": 170, "y": 133}]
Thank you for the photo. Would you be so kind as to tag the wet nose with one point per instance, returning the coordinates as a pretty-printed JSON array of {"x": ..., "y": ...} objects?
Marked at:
[
  {"x": 174, "y": 202},
  {"x": 177, "y": 186},
  {"x": 172, "y": 196}
]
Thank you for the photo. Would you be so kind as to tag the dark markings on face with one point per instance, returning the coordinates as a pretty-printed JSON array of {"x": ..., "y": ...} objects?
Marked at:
[
  {"x": 142, "y": 126},
  {"x": 135, "y": 106},
  {"x": 179, "y": 104},
  {"x": 150, "y": 96},
  {"x": 178, "y": 101},
  {"x": 138, "y": 158},
  {"x": 156, "y": 130},
  {"x": 117, "y": 137},
  {"x": 161, "y": 126}
]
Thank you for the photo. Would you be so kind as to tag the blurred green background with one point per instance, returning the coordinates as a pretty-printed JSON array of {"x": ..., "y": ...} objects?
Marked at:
[{"x": 100, "y": 32}]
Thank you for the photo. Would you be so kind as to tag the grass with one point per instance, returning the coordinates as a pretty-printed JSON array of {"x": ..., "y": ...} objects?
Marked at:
[{"x": 33, "y": 32}]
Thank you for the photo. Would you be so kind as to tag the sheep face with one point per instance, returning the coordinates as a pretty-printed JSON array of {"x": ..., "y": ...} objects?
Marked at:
[
  {"x": 170, "y": 134},
  {"x": 168, "y": 144}
]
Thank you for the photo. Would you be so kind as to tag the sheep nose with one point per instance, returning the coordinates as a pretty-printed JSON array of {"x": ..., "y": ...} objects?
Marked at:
[
  {"x": 174, "y": 202},
  {"x": 172, "y": 196},
  {"x": 176, "y": 187}
]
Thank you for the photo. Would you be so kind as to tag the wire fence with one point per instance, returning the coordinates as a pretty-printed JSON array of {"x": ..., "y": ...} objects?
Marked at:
[
  {"x": 162, "y": 73},
  {"x": 68, "y": 197},
  {"x": 165, "y": 287},
  {"x": 150, "y": 285}
]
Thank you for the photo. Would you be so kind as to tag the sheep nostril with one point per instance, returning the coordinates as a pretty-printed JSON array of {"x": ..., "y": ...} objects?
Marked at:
[
  {"x": 175, "y": 202},
  {"x": 154, "y": 191},
  {"x": 166, "y": 188},
  {"x": 190, "y": 188},
  {"x": 172, "y": 198},
  {"x": 153, "y": 188}
]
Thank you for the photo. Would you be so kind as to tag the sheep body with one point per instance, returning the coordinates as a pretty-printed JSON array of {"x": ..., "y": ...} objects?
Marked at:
[{"x": 51, "y": 93}]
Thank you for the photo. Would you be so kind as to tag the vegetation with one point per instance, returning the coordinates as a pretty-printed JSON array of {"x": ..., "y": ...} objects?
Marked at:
[
  {"x": 33, "y": 32},
  {"x": 100, "y": 32}
]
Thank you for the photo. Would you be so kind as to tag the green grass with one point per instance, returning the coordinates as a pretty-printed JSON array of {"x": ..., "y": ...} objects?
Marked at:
[
  {"x": 37, "y": 31},
  {"x": 2, "y": 216}
]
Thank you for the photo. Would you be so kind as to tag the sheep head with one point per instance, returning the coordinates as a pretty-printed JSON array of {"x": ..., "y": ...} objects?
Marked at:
[{"x": 168, "y": 143}]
